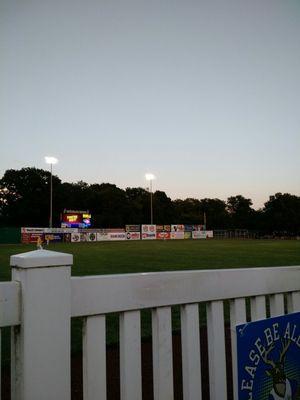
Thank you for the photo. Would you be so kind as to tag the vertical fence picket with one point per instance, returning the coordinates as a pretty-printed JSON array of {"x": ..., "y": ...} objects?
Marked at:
[
  {"x": 94, "y": 358},
  {"x": 277, "y": 304},
  {"x": 293, "y": 302},
  {"x": 190, "y": 341},
  {"x": 216, "y": 350},
  {"x": 162, "y": 353},
  {"x": 130, "y": 356},
  {"x": 258, "y": 308},
  {"x": 237, "y": 316}
]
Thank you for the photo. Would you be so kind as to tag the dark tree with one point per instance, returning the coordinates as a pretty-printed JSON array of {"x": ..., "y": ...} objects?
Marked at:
[
  {"x": 108, "y": 204},
  {"x": 215, "y": 212},
  {"x": 240, "y": 212},
  {"x": 282, "y": 213},
  {"x": 25, "y": 197},
  {"x": 163, "y": 212},
  {"x": 188, "y": 211},
  {"x": 138, "y": 205}
]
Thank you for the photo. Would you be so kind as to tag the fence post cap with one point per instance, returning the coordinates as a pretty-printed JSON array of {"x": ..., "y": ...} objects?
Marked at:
[{"x": 41, "y": 258}]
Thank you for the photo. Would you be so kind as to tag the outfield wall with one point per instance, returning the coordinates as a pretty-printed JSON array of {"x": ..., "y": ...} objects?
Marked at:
[{"x": 130, "y": 232}]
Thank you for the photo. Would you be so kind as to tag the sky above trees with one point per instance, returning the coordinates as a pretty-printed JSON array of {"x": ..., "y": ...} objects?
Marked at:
[{"x": 204, "y": 94}]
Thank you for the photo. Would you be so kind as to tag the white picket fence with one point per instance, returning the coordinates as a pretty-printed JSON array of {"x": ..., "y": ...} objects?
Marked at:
[{"x": 42, "y": 297}]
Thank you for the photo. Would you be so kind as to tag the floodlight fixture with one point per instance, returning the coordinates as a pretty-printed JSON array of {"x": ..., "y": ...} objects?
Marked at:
[
  {"x": 51, "y": 160},
  {"x": 149, "y": 176}
]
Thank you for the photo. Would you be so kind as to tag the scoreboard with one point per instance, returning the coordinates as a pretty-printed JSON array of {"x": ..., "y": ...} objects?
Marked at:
[{"x": 75, "y": 219}]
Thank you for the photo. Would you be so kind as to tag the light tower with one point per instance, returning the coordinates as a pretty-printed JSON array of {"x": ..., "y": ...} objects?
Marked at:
[
  {"x": 51, "y": 161},
  {"x": 150, "y": 177}
]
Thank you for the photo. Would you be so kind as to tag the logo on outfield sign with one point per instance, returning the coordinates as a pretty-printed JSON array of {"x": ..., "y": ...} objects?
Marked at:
[{"x": 268, "y": 353}]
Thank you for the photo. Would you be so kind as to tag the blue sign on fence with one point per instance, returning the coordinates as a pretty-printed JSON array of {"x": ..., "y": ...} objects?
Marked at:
[{"x": 268, "y": 354}]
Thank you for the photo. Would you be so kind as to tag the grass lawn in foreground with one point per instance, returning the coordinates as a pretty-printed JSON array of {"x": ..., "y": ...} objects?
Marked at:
[{"x": 152, "y": 256}]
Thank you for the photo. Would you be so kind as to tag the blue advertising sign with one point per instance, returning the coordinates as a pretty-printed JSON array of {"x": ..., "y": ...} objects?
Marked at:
[{"x": 268, "y": 354}]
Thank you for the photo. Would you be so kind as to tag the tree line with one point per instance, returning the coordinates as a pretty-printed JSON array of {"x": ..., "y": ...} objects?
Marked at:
[{"x": 24, "y": 201}]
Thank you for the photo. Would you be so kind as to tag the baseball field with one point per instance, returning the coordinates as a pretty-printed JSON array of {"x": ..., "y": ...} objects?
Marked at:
[{"x": 151, "y": 256}]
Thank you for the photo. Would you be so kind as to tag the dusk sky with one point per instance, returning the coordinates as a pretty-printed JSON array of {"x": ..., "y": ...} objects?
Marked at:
[{"x": 203, "y": 94}]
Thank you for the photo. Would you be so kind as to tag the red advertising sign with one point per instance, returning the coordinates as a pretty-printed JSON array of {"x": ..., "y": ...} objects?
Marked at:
[
  {"x": 163, "y": 235},
  {"x": 31, "y": 237}
]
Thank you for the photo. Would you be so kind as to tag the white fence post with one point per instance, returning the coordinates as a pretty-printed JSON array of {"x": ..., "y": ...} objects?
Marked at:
[{"x": 41, "y": 344}]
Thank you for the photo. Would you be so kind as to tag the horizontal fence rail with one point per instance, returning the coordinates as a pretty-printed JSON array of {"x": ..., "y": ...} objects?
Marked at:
[{"x": 94, "y": 295}]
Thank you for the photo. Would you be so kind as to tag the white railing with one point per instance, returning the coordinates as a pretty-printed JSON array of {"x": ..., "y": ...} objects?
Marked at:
[{"x": 41, "y": 299}]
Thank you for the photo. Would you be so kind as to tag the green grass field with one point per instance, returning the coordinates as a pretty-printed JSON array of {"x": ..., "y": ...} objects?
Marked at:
[{"x": 129, "y": 257}]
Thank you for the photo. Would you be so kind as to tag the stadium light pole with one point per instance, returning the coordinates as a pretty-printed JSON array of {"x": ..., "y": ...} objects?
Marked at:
[
  {"x": 51, "y": 161},
  {"x": 150, "y": 177}
]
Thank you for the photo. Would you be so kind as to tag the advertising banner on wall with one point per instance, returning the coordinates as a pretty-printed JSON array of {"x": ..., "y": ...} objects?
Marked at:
[
  {"x": 163, "y": 235},
  {"x": 187, "y": 235},
  {"x": 31, "y": 234},
  {"x": 102, "y": 236},
  {"x": 32, "y": 230},
  {"x": 132, "y": 228},
  {"x": 159, "y": 228},
  {"x": 133, "y": 235},
  {"x": 91, "y": 236},
  {"x": 163, "y": 228},
  {"x": 177, "y": 228},
  {"x": 75, "y": 237},
  {"x": 148, "y": 232},
  {"x": 60, "y": 230},
  {"x": 199, "y": 235},
  {"x": 67, "y": 237},
  {"x": 83, "y": 237},
  {"x": 268, "y": 358},
  {"x": 116, "y": 236},
  {"x": 31, "y": 237},
  {"x": 177, "y": 235},
  {"x": 209, "y": 234},
  {"x": 163, "y": 232},
  {"x": 54, "y": 237}
]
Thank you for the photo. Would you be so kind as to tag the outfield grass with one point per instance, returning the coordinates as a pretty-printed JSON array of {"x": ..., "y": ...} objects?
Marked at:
[
  {"x": 129, "y": 257},
  {"x": 126, "y": 257}
]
